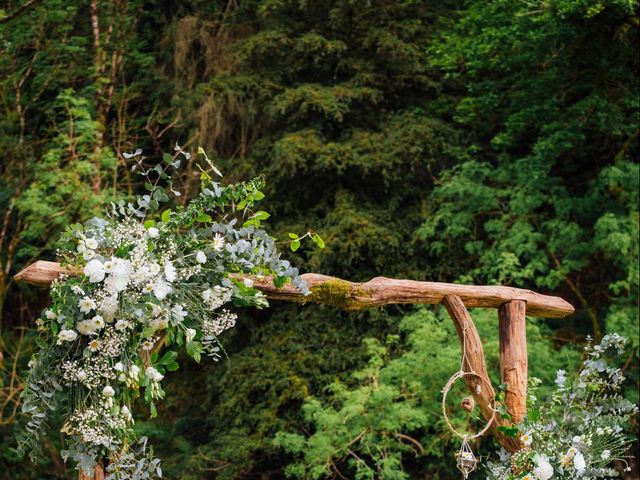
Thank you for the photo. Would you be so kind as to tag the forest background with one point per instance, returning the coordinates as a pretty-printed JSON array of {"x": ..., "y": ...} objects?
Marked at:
[{"x": 477, "y": 141}]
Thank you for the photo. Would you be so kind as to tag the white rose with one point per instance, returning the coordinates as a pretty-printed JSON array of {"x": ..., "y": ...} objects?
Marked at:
[
  {"x": 190, "y": 334},
  {"x": 248, "y": 282},
  {"x": 108, "y": 308},
  {"x": 88, "y": 254},
  {"x": 95, "y": 271},
  {"x": 118, "y": 367},
  {"x": 543, "y": 469},
  {"x": 66, "y": 336},
  {"x": 98, "y": 322},
  {"x": 153, "y": 232},
  {"x": 91, "y": 243},
  {"x": 108, "y": 391},
  {"x": 201, "y": 257},
  {"x": 50, "y": 314},
  {"x": 122, "y": 325},
  {"x": 86, "y": 327}
]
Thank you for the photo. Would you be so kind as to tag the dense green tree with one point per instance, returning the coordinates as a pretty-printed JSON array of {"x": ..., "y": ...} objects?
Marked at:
[{"x": 484, "y": 141}]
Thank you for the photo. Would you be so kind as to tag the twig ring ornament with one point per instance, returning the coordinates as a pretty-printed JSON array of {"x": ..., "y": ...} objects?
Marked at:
[
  {"x": 445, "y": 391},
  {"x": 466, "y": 461}
]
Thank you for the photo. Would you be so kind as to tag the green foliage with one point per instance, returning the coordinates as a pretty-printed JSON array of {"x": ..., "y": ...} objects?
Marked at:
[
  {"x": 385, "y": 422},
  {"x": 490, "y": 141}
]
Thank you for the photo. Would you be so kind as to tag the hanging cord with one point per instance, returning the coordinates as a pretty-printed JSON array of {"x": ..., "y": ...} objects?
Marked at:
[{"x": 457, "y": 376}]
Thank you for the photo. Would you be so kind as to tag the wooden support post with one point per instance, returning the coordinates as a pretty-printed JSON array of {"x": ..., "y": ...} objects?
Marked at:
[
  {"x": 475, "y": 362},
  {"x": 98, "y": 474},
  {"x": 513, "y": 357}
]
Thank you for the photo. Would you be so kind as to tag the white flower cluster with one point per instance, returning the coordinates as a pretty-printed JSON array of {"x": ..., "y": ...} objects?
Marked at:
[
  {"x": 143, "y": 284},
  {"x": 213, "y": 327},
  {"x": 579, "y": 431},
  {"x": 215, "y": 297},
  {"x": 96, "y": 425}
]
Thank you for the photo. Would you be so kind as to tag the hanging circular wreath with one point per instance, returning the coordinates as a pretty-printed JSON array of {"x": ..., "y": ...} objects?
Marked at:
[{"x": 144, "y": 280}]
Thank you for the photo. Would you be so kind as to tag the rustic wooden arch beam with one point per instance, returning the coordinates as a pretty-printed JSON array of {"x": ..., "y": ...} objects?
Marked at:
[
  {"x": 513, "y": 305},
  {"x": 352, "y": 296}
]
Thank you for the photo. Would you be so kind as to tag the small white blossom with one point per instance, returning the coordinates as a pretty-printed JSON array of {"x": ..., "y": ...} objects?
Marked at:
[
  {"x": 86, "y": 304},
  {"x": 50, "y": 314},
  {"x": 169, "y": 271},
  {"x": 153, "y": 232},
  {"x": 94, "y": 345},
  {"x": 201, "y": 257},
  {"x": 91, "y": 243},
  {"x": 190, "y": 334},
  {"x": 120, "y": 275},
  {"x": 606, "y": 454},
  {"x": 153, "y": 374},
  {"x": 77, "y": 290},
  {"x": 98, "y": 322},
  {"x": 118, "y": 367},
  {"x": 122, "y": 325},
  {"x": 134, "y": 371},
  {"x": 126, "y": 413},
  {"x": 108, "y": 391},
  {"x": 248, "y": 282},
  {"x": 179, "y": 312},
  {"x": 527, "y": 439},
  {"x": 579, "y": 463},
  {"x": 66, "y": 336},
  {"x": 217, "y": 242},
  {"x": 161, "y": 289},
  {"x": 89, "y": 254}
]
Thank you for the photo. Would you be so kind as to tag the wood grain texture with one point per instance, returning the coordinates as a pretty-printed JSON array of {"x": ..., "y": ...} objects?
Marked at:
[
  {"x": 97, "y": 475},
  {"x": 377, "y": 292},
  {"x": 475, "y": 362},
  {"x": 513, "y": 357}
]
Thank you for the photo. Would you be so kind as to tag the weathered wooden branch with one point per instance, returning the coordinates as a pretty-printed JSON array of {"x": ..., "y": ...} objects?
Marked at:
[
  {"x": 377, "y": 292},
  {"x": 513, "y": 304},
  {"x": 474, "y": 361},
  {"x": 513, "y": 357}
]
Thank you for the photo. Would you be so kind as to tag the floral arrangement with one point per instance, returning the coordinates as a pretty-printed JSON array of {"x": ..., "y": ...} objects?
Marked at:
[
  {"x": 578, "y": 433},
  {"x": 145, "y": 282}
]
